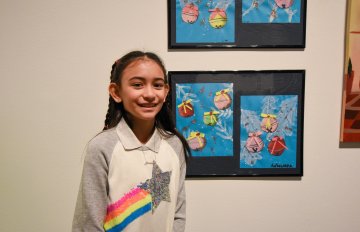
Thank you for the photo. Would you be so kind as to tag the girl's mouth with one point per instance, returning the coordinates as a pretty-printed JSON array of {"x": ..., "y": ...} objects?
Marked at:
[{"x": 148, "y": 105}]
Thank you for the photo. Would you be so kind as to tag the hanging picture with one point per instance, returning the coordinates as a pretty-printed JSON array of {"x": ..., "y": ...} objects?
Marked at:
[
  {"x": 236, "y": 23},
  {"x": 240, "y": 123},
  {"x": 350, "y": 123}
]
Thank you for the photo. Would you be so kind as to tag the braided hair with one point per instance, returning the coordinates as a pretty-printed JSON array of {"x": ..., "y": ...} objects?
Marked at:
[{"x": 163, "y": 120}]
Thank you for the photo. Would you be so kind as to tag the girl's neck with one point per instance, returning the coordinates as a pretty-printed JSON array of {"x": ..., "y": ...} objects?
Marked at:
[{"x": 143, "y": 130}]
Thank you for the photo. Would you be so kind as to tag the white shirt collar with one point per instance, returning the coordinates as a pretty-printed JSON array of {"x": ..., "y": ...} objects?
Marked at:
[{"x": 131, "y": 142}]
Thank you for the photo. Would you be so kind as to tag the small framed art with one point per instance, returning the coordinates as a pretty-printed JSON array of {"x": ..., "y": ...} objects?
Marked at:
[
  {"x": 236, "y": 23},
  {"x": 240, "y": 123}
]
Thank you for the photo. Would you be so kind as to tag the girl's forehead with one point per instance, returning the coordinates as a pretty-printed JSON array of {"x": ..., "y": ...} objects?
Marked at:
[
  {"x": 144, "y": 65},
  {"x": 142, "y": 60}
]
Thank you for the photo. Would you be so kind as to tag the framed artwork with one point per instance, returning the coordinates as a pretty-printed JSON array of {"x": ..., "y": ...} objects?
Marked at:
[
  {"x": 236, "y": 23},
  {"x": 240, "y": 123},
  {"x": 350, "y": 122}
]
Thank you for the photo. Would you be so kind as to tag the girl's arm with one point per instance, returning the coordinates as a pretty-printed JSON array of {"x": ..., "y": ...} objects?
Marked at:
[
  {"x": 180, "y": 213},
  {"x": 92, "y": 197}
]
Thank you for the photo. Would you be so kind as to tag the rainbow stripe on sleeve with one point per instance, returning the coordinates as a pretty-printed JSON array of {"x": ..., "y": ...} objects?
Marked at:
[{"x": 131, "y": 206}]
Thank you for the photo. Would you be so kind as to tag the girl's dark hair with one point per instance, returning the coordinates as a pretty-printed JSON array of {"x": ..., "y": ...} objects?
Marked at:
[{"x": 163, "y": 120}]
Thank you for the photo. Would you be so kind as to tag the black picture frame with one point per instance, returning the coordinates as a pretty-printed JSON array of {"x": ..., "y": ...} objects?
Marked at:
[
  {"x": 237, "y": 32},
  {"x": 224, "y": 147}
]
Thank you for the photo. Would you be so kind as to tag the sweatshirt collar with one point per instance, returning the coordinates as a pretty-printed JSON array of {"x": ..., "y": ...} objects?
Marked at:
[{"x": 131, "y": 142}]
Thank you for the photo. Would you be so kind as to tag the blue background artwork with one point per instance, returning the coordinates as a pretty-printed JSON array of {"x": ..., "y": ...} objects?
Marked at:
[
  {"x": 201, "y": 31},
  {"x": 285, "y": 109},
  {"x": 219, "y": 138},
  {"x": 261, "y": 14}
]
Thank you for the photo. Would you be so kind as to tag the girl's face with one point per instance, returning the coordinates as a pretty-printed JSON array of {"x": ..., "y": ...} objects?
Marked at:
[{"x": 143, "y": 90}]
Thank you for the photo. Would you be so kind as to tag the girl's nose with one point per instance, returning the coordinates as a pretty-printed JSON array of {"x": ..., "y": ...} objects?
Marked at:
[{"x": 149, "y": 93}]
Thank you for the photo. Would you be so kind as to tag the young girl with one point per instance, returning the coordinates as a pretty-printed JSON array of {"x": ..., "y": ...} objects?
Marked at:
[{"x": 134, "y": 170}]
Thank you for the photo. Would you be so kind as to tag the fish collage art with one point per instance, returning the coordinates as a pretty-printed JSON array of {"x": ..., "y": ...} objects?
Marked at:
[
  {"x": 244, "y": 123},
  {"x": 207, "y": 21},
  {"x": 214, "y": 21},
  {"x": 205, "y": 117},
  {"x": 271, "y": 11},
  {"x": 268, "y": 124},
  {"x": 268, "y": 131}
]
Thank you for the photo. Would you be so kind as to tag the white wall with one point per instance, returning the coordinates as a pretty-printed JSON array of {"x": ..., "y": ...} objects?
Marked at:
[{"x": 55, "y": 60}]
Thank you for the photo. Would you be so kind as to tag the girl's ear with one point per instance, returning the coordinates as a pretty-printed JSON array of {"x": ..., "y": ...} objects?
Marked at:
[{"x": 115, "y": 92}]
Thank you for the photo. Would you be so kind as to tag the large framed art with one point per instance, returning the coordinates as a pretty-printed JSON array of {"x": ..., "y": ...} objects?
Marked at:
[
  {"x": 350, "y": 120},
  {"x": 240, "y": 123},
  {"x": 236, "y": 23}
]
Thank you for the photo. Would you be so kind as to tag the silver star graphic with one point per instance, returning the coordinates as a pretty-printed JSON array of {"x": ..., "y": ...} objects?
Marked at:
[{"x": 158, "y": 186}]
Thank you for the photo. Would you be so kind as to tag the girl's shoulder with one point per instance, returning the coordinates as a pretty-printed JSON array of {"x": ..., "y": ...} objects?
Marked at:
[
  {"x": 176, "y": 144},
  {"x": 173, "y": 139},
  {"x": 170, "y": 138},
  {"x": 103, "y": 143},
  {"x": 103, "y": 137}
]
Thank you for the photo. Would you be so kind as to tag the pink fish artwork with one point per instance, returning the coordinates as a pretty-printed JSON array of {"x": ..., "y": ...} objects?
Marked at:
[
  {"x": 196, "y": 140},
  {"x": 284, "y": 3},
  {"x": 222, "y": 99},
  {"x": 269, "y": 123},
  {"x": 190, "y": 13},
  {"x": 254, "y": 143}
]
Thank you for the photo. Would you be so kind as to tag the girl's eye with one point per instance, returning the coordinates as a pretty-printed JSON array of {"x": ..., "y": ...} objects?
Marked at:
[
  {"x": 136, "y": 85},
  {"x": 159, "y": 85}
]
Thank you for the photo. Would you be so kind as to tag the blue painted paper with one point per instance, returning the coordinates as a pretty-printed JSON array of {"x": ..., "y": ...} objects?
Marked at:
[
  {"x": 201, "y": 31},
  {"x": 264, "y": 11},
  {"x": 284, "y": 109},
  {"x": 219, "y": 138}
]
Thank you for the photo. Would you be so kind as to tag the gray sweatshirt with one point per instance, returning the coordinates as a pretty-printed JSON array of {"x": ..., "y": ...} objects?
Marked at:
[{"x": 130, "y": 186}]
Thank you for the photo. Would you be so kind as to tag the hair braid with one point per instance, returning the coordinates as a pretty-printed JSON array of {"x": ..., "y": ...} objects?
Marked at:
[
  {"x": 112, "y": 113},
  {"x": 108, "y": 115}
]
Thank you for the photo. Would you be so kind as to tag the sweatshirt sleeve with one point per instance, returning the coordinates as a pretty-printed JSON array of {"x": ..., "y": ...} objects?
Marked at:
[
  {"x": 180, "y": 211},
  {"x": 91, "y": 203}
]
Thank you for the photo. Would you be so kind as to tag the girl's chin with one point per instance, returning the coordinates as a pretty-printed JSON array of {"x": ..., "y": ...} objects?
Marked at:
[{"x": 144, "y": 116}]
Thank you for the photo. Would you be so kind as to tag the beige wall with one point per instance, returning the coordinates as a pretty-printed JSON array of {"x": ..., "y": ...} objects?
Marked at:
[{"x": 55, "y": 59}]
